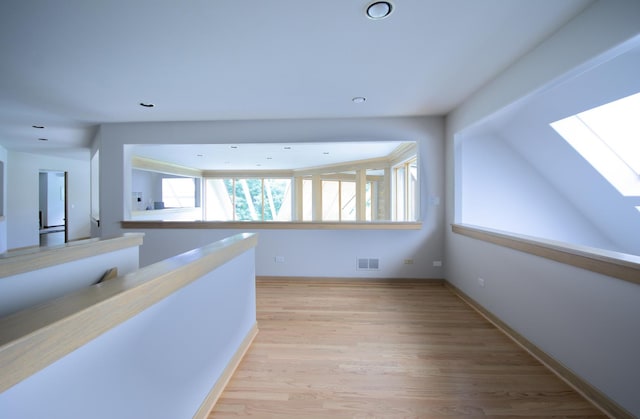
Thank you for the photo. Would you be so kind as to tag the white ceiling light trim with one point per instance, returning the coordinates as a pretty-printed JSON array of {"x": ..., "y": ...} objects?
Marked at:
[{"x": 379, "y": 10}]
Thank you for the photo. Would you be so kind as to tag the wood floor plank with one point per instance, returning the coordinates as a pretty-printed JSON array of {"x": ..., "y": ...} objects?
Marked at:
[{"x": 372, "y": 350}]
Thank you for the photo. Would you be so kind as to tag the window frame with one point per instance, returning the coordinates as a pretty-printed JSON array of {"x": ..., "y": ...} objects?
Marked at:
[
  {"x": 167, "y": 180},
  {"x": 366, "y": 174},
  {"x": 340, "y": 198},
  {"x": 592, "y": 143},
  {"x": 409, "y": 200},
  {"x": 233, "y": 197}
]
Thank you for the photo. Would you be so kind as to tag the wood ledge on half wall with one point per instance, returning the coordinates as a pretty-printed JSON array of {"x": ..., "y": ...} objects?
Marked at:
[{"x": 606, "y": 262}]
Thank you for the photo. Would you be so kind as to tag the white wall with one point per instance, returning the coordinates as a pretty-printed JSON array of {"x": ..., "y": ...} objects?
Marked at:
[
  {"x": 306, "y": 252},
  {"x": 503, "y": 191},
  {"x": 23, "y": 195},
  {"x": 529, "y": 133},
  {"x": 3, "y": 201},
  {"x": 159, "y": 364},
  {"x": 27, "y": 289},
  {"x": 585, "y": 320},
  {"x": 149, "y": 184}
]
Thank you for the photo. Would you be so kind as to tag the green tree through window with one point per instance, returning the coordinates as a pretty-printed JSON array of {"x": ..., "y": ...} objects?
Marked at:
[{"x": 258, "y": 199}]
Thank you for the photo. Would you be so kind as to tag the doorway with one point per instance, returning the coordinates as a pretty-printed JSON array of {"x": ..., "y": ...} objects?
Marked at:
[{"x": 53, "y": 208}]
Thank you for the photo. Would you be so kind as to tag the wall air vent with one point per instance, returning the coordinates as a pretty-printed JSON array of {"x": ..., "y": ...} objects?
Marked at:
[{"x": 368, "y": 264}]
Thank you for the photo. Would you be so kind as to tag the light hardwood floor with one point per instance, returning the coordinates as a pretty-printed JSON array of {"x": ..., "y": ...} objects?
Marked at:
[{"x": 366, "y": 350}]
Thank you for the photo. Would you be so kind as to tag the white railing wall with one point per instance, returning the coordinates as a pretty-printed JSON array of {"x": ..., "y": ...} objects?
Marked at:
[
  {"x": 159, "y": 342},
  {"x": 33, "y": 276}
]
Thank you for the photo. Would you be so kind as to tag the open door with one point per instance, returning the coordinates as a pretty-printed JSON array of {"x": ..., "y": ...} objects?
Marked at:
[
  {"x": 66, "y": 207},
  {"x": 53, "y": 208}
]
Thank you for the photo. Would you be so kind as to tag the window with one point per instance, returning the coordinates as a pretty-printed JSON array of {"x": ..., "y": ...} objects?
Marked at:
[
  {"x": 277, "y": 199},
  {"x": 338, "y": 200},
  {"x": 334, "y": 182},
  {"x": 608, "y": 137},
  {"x": 340, "y": 197},
  {"x": 405, "y": 176},
  {"x": 163, "y": 195},
  {"x": 368, "y": 215},
  {"x": 307, "y": 199},
  {"x": 179, "y": 192},
  {"x": 219, "y": 202},
  {"x": 400, "y": 177},
  {"x": 248, "y": 199}
]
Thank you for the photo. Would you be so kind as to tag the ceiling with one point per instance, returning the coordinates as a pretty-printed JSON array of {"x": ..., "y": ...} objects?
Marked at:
[
  {"x": 266, "y": 156},
  {"x": 70, "y": 65}
]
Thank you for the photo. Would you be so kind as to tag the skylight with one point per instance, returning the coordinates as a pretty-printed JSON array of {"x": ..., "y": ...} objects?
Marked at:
[{"x": 608, "y": 137}]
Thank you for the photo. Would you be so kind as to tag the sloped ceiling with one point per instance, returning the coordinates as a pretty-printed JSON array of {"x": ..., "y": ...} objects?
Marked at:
[
  {"x": 527, "y": 130},
  {"x": 69, "y": 65}
]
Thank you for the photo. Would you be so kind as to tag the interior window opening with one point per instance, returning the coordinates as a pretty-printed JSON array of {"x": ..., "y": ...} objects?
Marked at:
[
  {"x": 376, "y": 189},
  {"x": 405, "y": 182}
]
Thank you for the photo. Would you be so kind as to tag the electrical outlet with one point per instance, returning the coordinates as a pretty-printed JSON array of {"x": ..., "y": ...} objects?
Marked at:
[
  {"x": 408, "y": 261},
  {"x": 279, "y": 259},
  {"x": 437, "y": 263},
  {"x": 481, "y": 282}
]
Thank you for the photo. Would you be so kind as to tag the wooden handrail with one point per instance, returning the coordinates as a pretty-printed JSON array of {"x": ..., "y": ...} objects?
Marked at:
[
  {"x": 618, "y": 265},
  {"x": 17, "y": 262},
  {"x": 35, "y": 338}
]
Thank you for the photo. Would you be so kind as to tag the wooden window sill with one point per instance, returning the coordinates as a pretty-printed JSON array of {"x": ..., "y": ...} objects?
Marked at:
[
  {"x": 618, "y": 265},
  {"x": 273, "y": 225}
]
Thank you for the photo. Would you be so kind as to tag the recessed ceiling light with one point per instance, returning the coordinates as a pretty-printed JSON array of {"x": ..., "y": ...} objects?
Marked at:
[
  {"x": 359, "y": 99},
  {"x": 43, "y": 139},
  {"x": 379, "y": 10},
  {"x": 37, "y": 126},
  {"x": 147, "y": 105}
]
